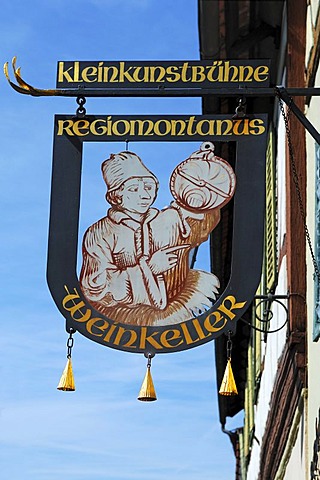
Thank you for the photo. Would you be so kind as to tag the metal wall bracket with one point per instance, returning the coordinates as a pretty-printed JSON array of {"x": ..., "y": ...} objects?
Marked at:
[
  {"x": 284, "y": 94},
  {"x": 286, "y": 98},
  {"x": 267, "y": 313}
]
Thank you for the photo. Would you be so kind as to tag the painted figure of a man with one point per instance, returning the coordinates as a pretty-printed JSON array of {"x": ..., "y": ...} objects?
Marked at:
[{"x": 136, "y": 259}]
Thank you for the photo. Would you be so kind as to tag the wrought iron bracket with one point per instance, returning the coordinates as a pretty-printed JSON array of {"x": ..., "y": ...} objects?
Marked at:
[
  {"x": 239, "y": 91},
  {"x": 222, "y": 91},
  {"x": 267, "y": 314},
  {"x": 283, "y": 94},
  {"x": 272, "y": 297}
]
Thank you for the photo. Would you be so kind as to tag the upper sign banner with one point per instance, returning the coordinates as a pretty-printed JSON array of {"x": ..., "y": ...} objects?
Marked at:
[{"x": 166, "y": 74}]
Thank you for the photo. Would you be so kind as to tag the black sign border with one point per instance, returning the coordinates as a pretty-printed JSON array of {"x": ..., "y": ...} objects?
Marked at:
[{"x": 248, "y": 229}]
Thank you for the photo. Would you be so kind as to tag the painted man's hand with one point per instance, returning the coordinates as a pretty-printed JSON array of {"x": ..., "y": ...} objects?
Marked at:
[{"x": 165, "y": 258}]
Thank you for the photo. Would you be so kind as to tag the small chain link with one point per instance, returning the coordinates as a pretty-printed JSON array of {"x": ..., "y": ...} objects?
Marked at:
[
  {"x": 229, "y": 345},
  {"x": 81, "y": 111},
  {"x": 241, "y": 108},
  {"x": 296, "y": 181},
  {"x": 70, "y": 343}
]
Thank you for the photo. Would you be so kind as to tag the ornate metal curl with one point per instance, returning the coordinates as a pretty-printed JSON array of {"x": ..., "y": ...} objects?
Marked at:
[
  {"x": 268, "y": 313},
  {"x": 24, "y": 87}
]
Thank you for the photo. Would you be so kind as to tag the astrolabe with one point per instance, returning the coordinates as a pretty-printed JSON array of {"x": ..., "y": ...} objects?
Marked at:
[{"x": 203, "y": 181}]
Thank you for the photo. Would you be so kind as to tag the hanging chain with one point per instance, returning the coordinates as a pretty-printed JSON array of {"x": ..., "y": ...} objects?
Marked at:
[
  {"x": 241, "y": 108},
  {"x": 70, "y": 343},
  {"x": 296, "y": 181},
  {"x": 149, "y": 360},
  {"x": 81, "y": 111},
  {"x": 149, "y": 356},
  {"x": 229, "y": 346}
]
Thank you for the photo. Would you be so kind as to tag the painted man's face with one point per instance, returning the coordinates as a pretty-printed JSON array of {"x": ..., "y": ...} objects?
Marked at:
[{"x": 138, "y": 194}]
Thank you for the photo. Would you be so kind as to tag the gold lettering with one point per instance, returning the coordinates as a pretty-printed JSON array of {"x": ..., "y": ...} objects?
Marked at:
[
  {"x": 227, "y": 70},
  {"x": 210, "y": 127},
  {"x": 169, "y": 336},
  {"x": 228, "y": 127},
  {"x": 65, "y": 128},
  {"x": 64, "y": 74},
  {"x": 77, "y": 72},
  {"x": 86, "y": 73},
  {"x": 110, "y": 332},
  {"x": 184, "y": 71},
  {"x": 133, "y": 338},
  {"x": 218, "y": 71},
  {"x": 190, "y": 125},
  {"x": 174, "y": 124},
  {"x": 75, "y": 307},
  {"x": 233, "y": 305},
  {"x": 160, "y": 77},
  {"x": 174, "y": 71},
  {"x": 114, "y": 74},
  {"x": 244, "y": 124},
  {"x": 211, "y": 71},
  {"x": 126, "y": 129},
  {"x": 122, "y": 331},
  {"x": 141, "y": 124},
  {"x": 109, "y": 125},
  {"x": 197, "y": 73},
  {"x": 77, "y": 127},
  {"x": 187, "y": 335},
  {"x": 157, "y": 129},
  {"x": 124, "y": 73},
  {"x": 136, "y": 72},
  {"x": 152, "y": 341},
  {"x": 94, "y": 322},
  {"x": 261, "y": 73},
  {"x": 214, "y": 327},
  {"x": 100, "y": 72},
  {"x": 199, "y": 330},
  {"x": 257, "y": 126},
  {"x": 101, "y": 128},
  {"x": 242, "y": 70}
]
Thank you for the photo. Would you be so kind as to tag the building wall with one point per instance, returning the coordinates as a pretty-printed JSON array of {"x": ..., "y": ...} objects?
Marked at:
[
  {"x": 272, "y": 348},
  {"x": 290, "y": 445},
  {"x": 280, "y": 437},
  {"x": 273, "y": 351},
  {"x": 293, "y": 464},
  {"x": 313, "y": 114}
]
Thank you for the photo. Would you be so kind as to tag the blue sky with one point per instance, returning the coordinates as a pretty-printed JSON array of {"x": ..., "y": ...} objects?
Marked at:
[{"x": 100, "y": 431}]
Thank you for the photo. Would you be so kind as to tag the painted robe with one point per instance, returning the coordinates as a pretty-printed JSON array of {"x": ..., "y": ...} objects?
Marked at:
[{"x": 116, "y": 277}]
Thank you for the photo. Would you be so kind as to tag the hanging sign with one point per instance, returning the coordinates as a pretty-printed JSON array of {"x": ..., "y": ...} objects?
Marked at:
[
  {"x": 166, "y": 74},
  {"x": 135, "y": 290}
]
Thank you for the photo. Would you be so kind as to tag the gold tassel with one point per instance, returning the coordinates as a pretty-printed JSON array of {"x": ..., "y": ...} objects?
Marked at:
[
  {"x": 147, "y": 392},
  {"x": 228, "y": 385},
  {"x": 67, "y": 379}
]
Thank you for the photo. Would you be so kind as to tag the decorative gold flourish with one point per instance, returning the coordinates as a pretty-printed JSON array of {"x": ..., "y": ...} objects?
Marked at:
[{"x": 23, "y": 87}]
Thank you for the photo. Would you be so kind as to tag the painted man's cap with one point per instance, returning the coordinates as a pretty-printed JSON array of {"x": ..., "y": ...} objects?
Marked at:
[{"x": 123, "y": 166}]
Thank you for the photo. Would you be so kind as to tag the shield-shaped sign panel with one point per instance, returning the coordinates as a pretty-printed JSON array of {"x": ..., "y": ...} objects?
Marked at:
[{"x": 135, "y": 290}]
